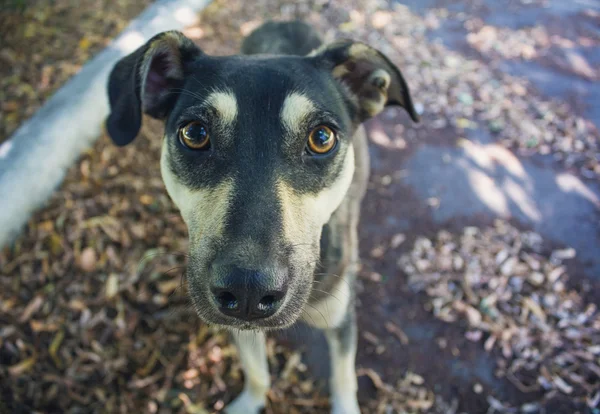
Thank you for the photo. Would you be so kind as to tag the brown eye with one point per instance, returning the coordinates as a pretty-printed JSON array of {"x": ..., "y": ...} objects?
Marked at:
[
  {"x": 321, "y": 140},
  {"x": 194, "y": 136}
]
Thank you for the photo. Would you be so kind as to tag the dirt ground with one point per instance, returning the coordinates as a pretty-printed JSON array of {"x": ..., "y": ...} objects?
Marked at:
[{"x": 94, "y": 315}]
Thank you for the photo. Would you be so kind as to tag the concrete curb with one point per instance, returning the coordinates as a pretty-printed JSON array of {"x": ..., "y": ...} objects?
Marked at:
[{"x": 33, "y": 162}]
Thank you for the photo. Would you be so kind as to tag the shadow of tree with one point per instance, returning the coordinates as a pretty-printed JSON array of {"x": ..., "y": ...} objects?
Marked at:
[{"x": 488, "y": 179}]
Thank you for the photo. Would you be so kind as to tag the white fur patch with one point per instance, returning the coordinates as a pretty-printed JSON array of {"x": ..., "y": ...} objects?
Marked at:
[
  {"x": 252, "y": 351},
  {"x": 296, "y": 107},
  {"x": 342, "y": 383}
]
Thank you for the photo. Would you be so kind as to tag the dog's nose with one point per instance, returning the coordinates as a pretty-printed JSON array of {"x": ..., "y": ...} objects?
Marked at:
[{"x": 246, "y": 295}]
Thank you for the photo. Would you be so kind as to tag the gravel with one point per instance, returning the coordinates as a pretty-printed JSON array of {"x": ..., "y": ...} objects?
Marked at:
[{"x": 513, "y": 299}]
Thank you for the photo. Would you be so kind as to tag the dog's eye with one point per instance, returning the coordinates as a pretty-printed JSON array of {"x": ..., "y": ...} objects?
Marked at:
[
  {"x": 321, "y": 140},
  {"x": 194, "y": 136}
]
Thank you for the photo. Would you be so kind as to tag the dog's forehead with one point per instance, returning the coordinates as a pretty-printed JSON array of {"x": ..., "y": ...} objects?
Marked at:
[
  {"x": 251, "y": 73},
  {"x": 253, "y": 88}
]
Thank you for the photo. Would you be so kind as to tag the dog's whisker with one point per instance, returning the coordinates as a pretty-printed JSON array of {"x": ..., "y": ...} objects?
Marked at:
[
  {"x": 308, "y": 314},
  {"x": 149, "y": 257},
  {"x": 347, "y": 282},
  {"x": 341, "y": 280},
  {"x": 181, "y": 287},
  {"x": 159, "y": 253},
  {"x": 329, "y": 294},
  {"x": 320, "y": 313},
  {"x": 185, "y": 92},
  {"x": 201, "y": 84},
  {"x": 327, "y": 308},
  {"x": 187, "y": 307},
  {"x": 344, "y": 278},
  {"x": 329, "y": 274},
  {"x": 293, "y": 246},
  {"x": 167, "y": 273}
]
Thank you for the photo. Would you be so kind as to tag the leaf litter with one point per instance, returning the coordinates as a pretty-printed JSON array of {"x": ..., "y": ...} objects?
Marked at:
[{"x": 514, "y": 300}]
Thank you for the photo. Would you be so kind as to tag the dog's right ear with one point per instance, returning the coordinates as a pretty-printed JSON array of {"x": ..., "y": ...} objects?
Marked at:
[{"x": 146, "y": 81}]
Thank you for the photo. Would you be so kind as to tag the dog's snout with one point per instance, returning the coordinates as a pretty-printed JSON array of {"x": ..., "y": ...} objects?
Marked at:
[{"x": 247, "y": 295}]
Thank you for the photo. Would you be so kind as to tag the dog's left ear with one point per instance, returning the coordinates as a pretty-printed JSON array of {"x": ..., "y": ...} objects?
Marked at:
[
  {"x": 371, "y": 77},
  {"x": 147, "y": 81}
]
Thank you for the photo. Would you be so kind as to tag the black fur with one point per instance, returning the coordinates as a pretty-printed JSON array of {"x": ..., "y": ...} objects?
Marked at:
[
  {"x": 125, "y": 89},
  {"x": 282, "y": 38}
]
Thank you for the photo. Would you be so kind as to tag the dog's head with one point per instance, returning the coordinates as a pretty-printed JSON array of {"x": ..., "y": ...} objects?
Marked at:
[{"x": 257, "y": 154}]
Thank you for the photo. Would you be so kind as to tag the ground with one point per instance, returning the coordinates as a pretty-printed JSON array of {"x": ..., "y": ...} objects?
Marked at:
[{"x": 493, "y": 195}]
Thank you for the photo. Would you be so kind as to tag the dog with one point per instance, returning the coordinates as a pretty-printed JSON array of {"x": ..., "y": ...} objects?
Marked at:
[{"x": 265, "y": 155}]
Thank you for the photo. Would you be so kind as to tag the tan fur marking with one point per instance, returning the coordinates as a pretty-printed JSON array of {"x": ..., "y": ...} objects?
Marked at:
[
  {"x": 204, "y": 211},
  {"x": 360, "y": 50},
  {"x": 296, "y": 107},
  {"x": 340, "y": 71},
  {"x": 225, "y": 104},
  {"x": 318, "y": 51},
  {"x": 373, "y": 99},
  {"x": 303, "y": 213},
  {"x": 373, "y": 107},
  {"x": 381, "y": 79}
]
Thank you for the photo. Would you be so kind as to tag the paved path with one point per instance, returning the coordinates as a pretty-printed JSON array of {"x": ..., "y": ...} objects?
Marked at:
[{"x": 481, "y": 178}]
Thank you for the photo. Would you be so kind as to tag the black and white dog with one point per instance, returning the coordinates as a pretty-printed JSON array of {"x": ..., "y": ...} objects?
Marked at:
[{"x": 265, "y": 156}]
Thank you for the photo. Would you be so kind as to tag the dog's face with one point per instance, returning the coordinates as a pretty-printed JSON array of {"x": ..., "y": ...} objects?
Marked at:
[{"x": 257, "y": 154}]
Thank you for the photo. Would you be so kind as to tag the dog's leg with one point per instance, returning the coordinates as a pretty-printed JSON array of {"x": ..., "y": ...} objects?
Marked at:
[
  {"x": 334, "y": 313},
  {"x": 252, "y": 350},
  {"x": 342, "y": 349}
]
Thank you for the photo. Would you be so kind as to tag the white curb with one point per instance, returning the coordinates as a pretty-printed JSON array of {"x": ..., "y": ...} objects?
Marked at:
[{"x": 35, "y": 158}]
